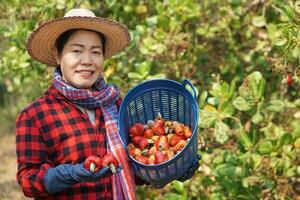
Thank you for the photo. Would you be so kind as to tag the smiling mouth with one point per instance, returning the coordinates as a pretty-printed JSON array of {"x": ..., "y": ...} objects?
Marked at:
[{"x": 85, "y": 71}]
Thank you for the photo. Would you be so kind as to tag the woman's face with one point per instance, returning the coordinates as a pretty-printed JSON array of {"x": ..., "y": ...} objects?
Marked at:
[{"x": 81, "y": 59}]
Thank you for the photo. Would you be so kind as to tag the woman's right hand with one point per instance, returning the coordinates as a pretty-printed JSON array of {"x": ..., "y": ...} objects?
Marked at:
[
  {"x": 84, "y": 175},
  {"x": 64, "y": 176}
]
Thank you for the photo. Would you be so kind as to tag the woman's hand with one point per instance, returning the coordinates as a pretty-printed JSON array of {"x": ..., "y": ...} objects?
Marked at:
[
  {"x": 65, "y": 176},
  {"x": 82, "y": 175}
]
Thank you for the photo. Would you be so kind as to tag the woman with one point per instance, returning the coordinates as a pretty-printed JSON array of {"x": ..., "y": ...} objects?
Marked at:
[{"x": 76, "y": 116}]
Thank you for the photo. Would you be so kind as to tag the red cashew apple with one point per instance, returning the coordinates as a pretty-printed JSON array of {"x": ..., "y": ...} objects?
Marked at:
[
  {"x": 133, "y": 151},
  {"x": 142, "y": 159},
  {"x": 152, "y": 151},
  {"x": 158, "y": 127},
  {"x": 179, "y": 146},
  {"x": 160, "y": 157},
  {"x": 178, "y": 129},
  {"x": 136, "y": 130},
  {"x": 162, "y": 143},
  {"x": 110, "y": 160},
  {"x": 175, "y": 139},
  {"x": 93, "y": 163},
  {"x": 187, "y": 132},
  {"x": 148, "y": 133},
  {"x": 289, "y": 79},
  {"x": 151, "y": 159},
  {"x": 141, "y": 142}
]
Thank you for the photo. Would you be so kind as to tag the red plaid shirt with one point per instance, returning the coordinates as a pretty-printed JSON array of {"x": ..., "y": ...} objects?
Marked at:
[{"x": 53, "y": 131}]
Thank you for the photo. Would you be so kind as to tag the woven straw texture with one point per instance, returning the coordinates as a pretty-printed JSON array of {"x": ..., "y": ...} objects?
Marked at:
[{"x": 41, "y": 43}]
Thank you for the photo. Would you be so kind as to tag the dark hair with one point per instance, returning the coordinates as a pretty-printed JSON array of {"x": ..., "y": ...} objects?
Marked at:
[{"x": 65, "y": 36}]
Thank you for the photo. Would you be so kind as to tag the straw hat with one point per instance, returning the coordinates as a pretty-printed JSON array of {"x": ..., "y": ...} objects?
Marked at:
[{"x": 41, "y": 43}]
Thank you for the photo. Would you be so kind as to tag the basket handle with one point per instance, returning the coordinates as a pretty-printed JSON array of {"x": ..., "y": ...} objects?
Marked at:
[{"x": 187, "y": 82}]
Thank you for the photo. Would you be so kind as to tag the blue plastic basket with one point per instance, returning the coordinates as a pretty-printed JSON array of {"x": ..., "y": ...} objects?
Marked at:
[{"x": 174, "y": 102}]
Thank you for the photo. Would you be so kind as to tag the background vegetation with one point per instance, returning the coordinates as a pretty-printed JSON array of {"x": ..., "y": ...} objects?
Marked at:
[{"x": 242, "y": 57}]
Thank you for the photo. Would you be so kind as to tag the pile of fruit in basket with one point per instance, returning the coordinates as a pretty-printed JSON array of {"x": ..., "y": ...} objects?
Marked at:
[{"x": 157, "y": 141}]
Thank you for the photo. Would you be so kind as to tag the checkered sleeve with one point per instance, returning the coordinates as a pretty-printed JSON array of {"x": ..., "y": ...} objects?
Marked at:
[{"x": 31, "y": 157}]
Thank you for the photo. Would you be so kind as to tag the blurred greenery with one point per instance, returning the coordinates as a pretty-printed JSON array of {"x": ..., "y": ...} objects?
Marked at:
[{"x": 238, "y": 54}]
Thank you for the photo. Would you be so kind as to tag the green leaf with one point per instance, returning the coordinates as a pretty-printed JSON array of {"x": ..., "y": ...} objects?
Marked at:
[
  {"x": 208, "y": 116},
  {"x": 222, "y": 132},
  {"x": 232, "y": 89},
  {"x": 190, "y": 89},
  {"x": 213, "y": 101},
  {"x": 144, "y": 50},
  {"x": 287, "y": 162},
  {"x": 178, "y": 186},
  {"x": 224, "y": 89},
  {"x": 24, "y": 65},
  {"x": 202, "y": 98},
  {"x": 257, "y": 84},
  {"x": 259, "y": 21},
  {"x": 245, "y": 141},
  {"x": 255, "y": 77},
  {"x": 265, "y": 148},
  {"x": 288, "y": 10},
  {"x": 159, "y": 48},
  {"x": 245, "y": 92},
  {"x": 216, "y": 90},
  {"x": 296, "y": 130},
  {"x": 206, "y": 158},
  {"x": 111, "y": 3},
  {"x": 227, "y": 109},
  {"x": 297, "y": 143},
  {"x": 291, "y": 172},
  {"x": 173, "y": 196},
  {"x": 256, "y": 159},
  {"x": 143, "y": 68},
  {"x": 275, "y": 106},
  {"x": 128, "y": 8},
  {"x": 254, "y": 136},
  {"x": 273, "y": 31},
  {"x": 261, "y": 88},
  {"x": 280, "y": 42},
  {"x": 218, "y": 160},
  {"x": 241, "y": 104},
  {"x": 224, "y": 170},
  {"x": 163, "y": 21},
  {"x": 134, "y": 75},
  {"x": 151, "y": 21},
  {"x": 295, "y": 52},
  {"x": 156, "y": 76},
  {"x": 286, "y": 139},
  {"x": 229, "y": 170},
  {"x": 257, "y": 118}
]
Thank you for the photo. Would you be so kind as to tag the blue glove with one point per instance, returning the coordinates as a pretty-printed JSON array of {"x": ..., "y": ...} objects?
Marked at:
[
  {"x": 191, "y": 171},
  {"x": 65, "y": 176}
]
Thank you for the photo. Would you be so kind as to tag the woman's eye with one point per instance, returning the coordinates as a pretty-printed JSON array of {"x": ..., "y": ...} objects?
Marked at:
[
  {"x": 97, "y": 52},
  {"x": 76, "y": 51}
]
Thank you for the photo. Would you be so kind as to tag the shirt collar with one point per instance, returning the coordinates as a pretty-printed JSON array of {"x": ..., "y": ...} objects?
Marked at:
[{"x": 52, "y": 91}]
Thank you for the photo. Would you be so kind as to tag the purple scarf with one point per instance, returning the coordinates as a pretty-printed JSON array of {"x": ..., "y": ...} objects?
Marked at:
[{"x": 103, "y": 95}]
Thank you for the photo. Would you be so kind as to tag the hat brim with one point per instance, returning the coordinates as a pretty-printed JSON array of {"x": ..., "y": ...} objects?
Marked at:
[{"x": 41, "y": 43}]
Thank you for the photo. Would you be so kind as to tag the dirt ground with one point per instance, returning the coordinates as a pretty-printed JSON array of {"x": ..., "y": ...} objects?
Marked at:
[{"x": 9, "y": 188}]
